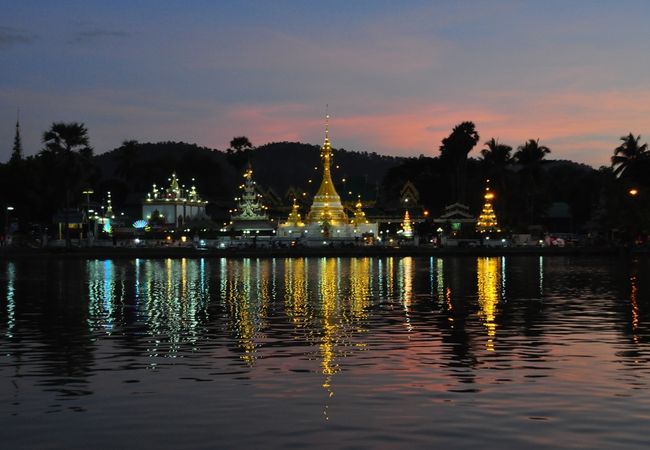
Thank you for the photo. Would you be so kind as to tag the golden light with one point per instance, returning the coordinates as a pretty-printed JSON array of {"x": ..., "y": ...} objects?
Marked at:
[{"x": 633, "y": 192}]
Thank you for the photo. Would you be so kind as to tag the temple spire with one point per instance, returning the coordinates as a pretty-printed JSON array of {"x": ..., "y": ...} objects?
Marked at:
[
  {"x": 327, "y": 123},
  {"x": 327, "y": 208},
  {"x": 17, "y": 152}
]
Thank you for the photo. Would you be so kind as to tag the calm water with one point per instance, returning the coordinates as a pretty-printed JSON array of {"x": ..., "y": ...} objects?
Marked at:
[{"x": 325, "y": 352}]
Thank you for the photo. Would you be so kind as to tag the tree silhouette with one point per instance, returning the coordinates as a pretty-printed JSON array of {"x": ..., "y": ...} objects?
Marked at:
[
  {"x": 127, "y": 160},
  {"x": 67, "y": 146},
  {"x": 631, "y": 160},
  {"x": 239, "y": 151},
  {"x": 530, "y": 156},
  {"x": 240, "y": 143},
  {"x": 454, "y": 151}
]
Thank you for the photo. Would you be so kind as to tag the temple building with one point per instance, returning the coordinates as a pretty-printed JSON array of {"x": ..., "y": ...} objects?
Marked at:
[
  {"x": 250, "y": 216},
  {"x": 175, "y": 205},
  {"x": 487, "y": 221},
  {"x": 327, "y": 220},
  {"x": 454, "y": 218}
]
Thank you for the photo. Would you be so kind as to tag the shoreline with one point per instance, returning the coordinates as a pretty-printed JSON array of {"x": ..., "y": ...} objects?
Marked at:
[{"x": 16, "y": 253}]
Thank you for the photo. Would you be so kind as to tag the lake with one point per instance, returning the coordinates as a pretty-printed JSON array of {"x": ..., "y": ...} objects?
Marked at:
[{"x": 393, "y": 352}]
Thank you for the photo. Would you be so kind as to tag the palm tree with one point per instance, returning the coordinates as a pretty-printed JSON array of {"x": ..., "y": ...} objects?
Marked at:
[
  {"x": 127, "y": 160},
  {"x": 531, "y": 153},
  {"x": 496, "y": 156},
  {"x": 530, "y": 156},
  {"x": 68, "y": 145},
  {"x": 68, "y": 137},
  {"x": 631, "y": 158},
  {"x": 454, "y": 151}
]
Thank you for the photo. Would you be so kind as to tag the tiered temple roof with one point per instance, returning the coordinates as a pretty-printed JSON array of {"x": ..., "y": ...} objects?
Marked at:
[
  {"x": 487, "y": 221},
  {"x": 175, "y": 193}
]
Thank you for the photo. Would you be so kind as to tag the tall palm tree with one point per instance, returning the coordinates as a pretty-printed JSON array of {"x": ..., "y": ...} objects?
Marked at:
[
  {"x": 531, "y": 153},
  {"x": 631, "y": 158},
  {"x": 530, "y": 156},
  {"x": 69, "y": 146},
  {"x": 127, "y": 159},
  {"x": 495, "y": 155},
  {"x": 454, "y": 151},
  {"x": 68, "y": 137}
]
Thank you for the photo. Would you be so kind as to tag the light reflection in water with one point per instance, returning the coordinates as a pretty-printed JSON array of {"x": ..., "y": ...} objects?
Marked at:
[
  {"x": 489, "y": 285},
  {"x": 170, "y": 298},
  {"x": 101, "y": 294},
  {"x": 245, "y": 304},
  {"x": 406, "y": 287},
  {"x": 541, "y": 276},
  {"x": 11, "y": 302},
  {"x": 634, "y": 304}
]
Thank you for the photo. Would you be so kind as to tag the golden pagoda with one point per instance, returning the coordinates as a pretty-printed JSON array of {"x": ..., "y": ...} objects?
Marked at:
[
  {"x": 294, "y": 218},
  {"x": 359, "y": 216},
  {"x": 487, "y": 221},
  {"x": 327, "y": 221},
  {"x": 327, "y": 209},
  {"x": 407, "y": 225}
]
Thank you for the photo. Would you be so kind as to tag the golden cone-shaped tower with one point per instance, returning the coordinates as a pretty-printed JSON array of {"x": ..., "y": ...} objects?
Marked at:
[
  {"x": 294, "y": 218},
  {"x": 487, "y": 221},
  {"x": 359, "y": 216},
  {"x": 327, "y": 208},
  {"x": 407, "y": 226}
]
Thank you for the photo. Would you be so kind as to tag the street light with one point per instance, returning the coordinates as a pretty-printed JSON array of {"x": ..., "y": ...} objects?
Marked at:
[
  {"x": 8, "y": 210},
  {"x": 633, "y": 192},
  {"x": 88, "y": 193}
]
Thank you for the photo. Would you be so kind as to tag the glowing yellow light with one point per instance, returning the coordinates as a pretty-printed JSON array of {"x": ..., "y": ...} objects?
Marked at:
[{"x": 633, "y": 192}]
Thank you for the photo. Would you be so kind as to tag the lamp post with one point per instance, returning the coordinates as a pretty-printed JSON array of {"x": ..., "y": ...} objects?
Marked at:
[
  {"x": 87, "y": 193},
  {"x": 7, "y": 211},
  {"x": 634, "y": 193}
]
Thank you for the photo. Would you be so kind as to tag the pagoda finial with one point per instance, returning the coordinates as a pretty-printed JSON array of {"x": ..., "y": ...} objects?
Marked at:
[{"x": 327, "y": 122}]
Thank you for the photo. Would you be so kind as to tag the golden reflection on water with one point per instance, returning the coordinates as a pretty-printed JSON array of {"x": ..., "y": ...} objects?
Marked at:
[
  {"x": 245, "y": 303},
  {"x": 489, "y": 278},
  {"x": 295, "y": 285},
  {"x": 406, "y": 287}
]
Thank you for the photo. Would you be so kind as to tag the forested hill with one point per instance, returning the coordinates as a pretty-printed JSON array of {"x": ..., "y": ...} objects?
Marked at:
[
  {"x": 282, "y": 165},
  {"x": 134, "y": 167}
]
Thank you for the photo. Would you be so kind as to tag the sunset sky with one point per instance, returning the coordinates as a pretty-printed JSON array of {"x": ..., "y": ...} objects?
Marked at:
[{"x": 397, "y": 75}]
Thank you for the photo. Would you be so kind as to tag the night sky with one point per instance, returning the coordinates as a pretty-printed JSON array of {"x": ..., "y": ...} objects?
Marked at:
[{"x": 397, "y": 75}]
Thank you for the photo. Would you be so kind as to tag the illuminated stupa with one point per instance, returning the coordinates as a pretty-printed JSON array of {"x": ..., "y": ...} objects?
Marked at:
[
  {"x": 407, "y": 226},
  {"x": 250, "y": 216},
  {"x": 175, "y": 204},
  {"x": 327, "y": 220},
  {"x": 487, "y": 221}
]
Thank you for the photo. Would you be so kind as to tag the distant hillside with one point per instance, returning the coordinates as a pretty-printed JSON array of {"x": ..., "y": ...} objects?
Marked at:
[
  {"x": 283, "y": 165},
  {"x": 130, "y": 170}
]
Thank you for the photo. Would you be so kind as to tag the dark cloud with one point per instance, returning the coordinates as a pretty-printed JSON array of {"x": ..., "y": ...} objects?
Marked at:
[
  {"x": 95, "y": 35},
  {"x": 11, "y": 36}
]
